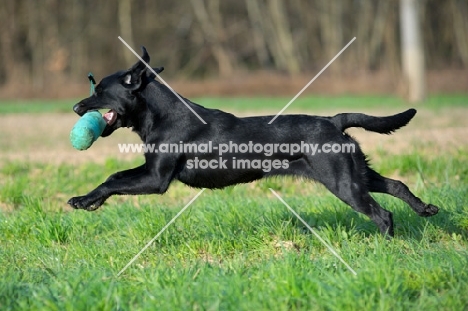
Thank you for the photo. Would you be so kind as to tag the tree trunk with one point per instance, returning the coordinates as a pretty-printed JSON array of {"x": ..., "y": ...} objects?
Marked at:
[
  {"x": 11, "y": 67},
  {"x": 258, "y": 36},
  {"x": 412, "y": 50},
  {"x": 460, "y": 28},
  {"x": 283, "y": 36},
  {"x": 125, "y": 25},
  {"x": 36, "y": 40},
  {"x": 332, "y": 31},
  {"x": 78, "y": 66},
  {"x": 212, "y": 29}
]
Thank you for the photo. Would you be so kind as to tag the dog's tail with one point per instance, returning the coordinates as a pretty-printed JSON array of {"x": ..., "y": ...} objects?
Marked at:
[{"x": 383, "y": 125}]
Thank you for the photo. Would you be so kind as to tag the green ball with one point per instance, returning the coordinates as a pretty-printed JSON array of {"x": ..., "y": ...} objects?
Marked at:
[{"x": 87, "y": 130}]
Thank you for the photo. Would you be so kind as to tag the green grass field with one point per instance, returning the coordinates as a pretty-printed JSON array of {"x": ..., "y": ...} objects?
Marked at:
[
  {"x": 233, "y": 249},
  {"x": 255, "y": 104}
]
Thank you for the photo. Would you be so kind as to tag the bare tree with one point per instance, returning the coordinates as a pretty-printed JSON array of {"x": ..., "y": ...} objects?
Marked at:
[
  {"x": 331, "y": 29},
  {"x": 459, "y": 11},
  {"x": 412, "y": 50},
  {"x": 125, "y": 25},
  {"x": 78, "y": 43},
  {"x": 61, "y": 40},
  {"x": 282, "y": 35},
  {"x": 258, "y": 34},
  {"x": 211, "y": 25},
  {"x": 13, "y": 67}
]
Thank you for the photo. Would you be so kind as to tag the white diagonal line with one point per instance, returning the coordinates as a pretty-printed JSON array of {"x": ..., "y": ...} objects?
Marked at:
[
  {"x": 162, "y": 80},
  {"x": 160, "y": 232},
  {"x": 315, "y": 233},
  {"x": 310, "y": 82}
]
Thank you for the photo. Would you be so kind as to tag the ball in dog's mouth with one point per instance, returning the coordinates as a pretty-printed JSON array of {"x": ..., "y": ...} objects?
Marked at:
[{"x": 110, "y": 117}]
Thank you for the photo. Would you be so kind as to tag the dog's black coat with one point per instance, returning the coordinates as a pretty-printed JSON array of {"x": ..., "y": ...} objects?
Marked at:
[{"x": 158, "y": 116}]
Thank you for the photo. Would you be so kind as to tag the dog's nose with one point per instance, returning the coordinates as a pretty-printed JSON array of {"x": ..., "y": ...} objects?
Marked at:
[
  {"x": 76, "y": 108},
  {"x": 79, "y": 109}
]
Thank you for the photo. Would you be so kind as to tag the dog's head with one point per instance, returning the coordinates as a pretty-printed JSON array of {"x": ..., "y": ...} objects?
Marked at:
[{"x": 119, "y": 93}]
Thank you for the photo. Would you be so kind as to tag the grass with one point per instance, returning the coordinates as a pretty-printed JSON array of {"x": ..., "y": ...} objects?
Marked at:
[
  {"x": 237, "y": 249},
  {"x": 242, "y": 104},
  {"x": 36, "y": 106},
  {"x": 329, "y": 102}
]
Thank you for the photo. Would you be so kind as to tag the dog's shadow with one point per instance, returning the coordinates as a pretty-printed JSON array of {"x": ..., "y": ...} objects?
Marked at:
[
  {"x": 411, "y": 226},
  {"x": 408, "y": 225}
]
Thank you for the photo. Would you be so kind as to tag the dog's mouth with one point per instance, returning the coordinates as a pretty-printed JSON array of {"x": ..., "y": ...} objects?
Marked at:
[{"x": 110, "y": 117}]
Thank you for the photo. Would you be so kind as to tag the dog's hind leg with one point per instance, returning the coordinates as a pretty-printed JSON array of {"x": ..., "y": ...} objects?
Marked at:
[
  {"x": 346, "y": 182},
  {"x": 356, "y": 195},
  {"x": 396, "y": 188}
]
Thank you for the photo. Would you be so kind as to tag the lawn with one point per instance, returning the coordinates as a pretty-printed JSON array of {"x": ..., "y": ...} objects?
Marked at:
[
  {"x": 237, "y": 248},
  {"x": 303, "y": 103}
]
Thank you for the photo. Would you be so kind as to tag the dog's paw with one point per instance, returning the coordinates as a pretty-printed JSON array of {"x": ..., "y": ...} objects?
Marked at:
[
  {"x": 85, "y": 202},
  {"x": 429, "y": 210}
]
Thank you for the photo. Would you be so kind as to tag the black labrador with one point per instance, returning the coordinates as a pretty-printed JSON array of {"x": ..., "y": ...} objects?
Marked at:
[{"x": 136, "y": 100}]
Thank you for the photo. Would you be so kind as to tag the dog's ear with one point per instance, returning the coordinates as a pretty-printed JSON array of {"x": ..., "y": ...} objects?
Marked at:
[
  {"x": 150, "y": 73},
  {"x": 133, "y": 77},
  {"x": 158, "y": 70}
]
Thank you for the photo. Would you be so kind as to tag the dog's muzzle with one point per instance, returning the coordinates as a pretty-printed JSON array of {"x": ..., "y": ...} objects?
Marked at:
[{"x": 79, "y": 109}]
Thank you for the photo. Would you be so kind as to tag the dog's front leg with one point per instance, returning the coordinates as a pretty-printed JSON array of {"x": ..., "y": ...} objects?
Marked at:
[
  {"x": 127, "y": 173},
  {"x": 130, "y": 182}
]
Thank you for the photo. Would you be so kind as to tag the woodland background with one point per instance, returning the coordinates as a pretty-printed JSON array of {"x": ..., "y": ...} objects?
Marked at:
[{"x": 47, "y": 47}]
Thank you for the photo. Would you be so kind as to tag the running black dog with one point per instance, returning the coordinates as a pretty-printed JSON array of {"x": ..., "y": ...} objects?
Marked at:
[{"x": 159, "y": 117}]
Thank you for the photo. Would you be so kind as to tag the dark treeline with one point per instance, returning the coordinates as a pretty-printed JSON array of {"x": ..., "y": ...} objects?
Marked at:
[{"x": 41, "y": 41}]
